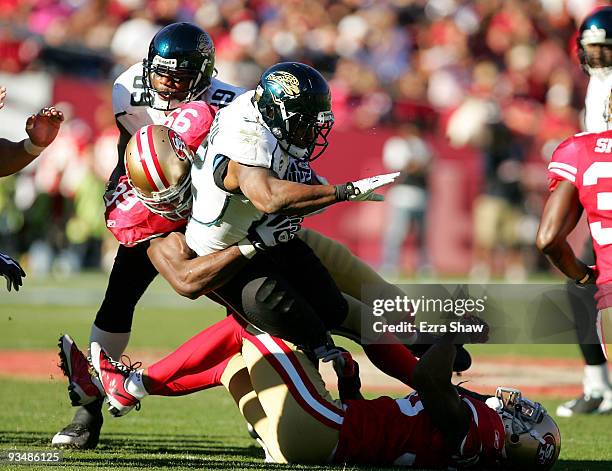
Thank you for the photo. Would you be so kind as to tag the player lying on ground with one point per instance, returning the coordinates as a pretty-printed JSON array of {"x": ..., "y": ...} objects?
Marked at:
[{"x": 281, "y": 394}]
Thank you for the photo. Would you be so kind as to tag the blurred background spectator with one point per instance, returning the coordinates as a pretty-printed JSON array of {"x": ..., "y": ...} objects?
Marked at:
[{"x": 492, "y": 86}]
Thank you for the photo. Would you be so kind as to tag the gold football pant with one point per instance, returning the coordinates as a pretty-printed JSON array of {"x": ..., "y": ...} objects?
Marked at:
[
  {"x": 604, "y": 329},
  {"x": 352, "y": 276},
  {"x": 282, "y": 395}
]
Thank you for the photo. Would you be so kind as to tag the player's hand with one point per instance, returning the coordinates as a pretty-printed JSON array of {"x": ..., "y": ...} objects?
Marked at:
[
  {"x": 363, "y": 190},
  {"x": 479, "y": 330},
  {"x": 273, "y": 229},
  {"x": 42, "y": 128},
  {"x": 2, "y": 96},
  {"x": 12, "y": 271}
]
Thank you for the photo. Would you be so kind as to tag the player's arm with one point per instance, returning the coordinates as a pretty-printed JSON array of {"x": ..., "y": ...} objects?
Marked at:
[
  {"x": 42, "y": 129},
  {"x": 560, "y": 216},
  {"x": 192, "y": 276},
  {"x": 432, "y": 380},
  {"x": 272, "y": 195}
]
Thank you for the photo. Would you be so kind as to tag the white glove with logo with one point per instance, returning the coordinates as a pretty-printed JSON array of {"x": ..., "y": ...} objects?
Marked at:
[
  {"x": 363, "y": 190},
  {"x": 273, "y": 229}
]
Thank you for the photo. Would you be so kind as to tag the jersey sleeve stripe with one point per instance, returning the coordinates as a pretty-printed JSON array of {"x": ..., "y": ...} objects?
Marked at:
[
  {"x": 564, "y": 174},
  {"x": 145, "y": 166},
  {"x": 563, "y": 166}
]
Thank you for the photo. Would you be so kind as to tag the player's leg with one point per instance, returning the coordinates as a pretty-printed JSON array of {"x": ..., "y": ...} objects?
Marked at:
[
  {"x": 131, "y": 275},
  {"x": 197, "y": 364},
  {"x": 267, "y": 295},
  {"x": 351, "y": 275},
  {"x": 597, "y": 390},
  {"x": 237, "y": 381},
  {"x": 303, "y": 420}
]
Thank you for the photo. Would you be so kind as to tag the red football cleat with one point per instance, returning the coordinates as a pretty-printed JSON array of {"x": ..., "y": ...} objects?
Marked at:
[
  {"x": 83, "y": 388},
  {"x": 112, "y": 375}
]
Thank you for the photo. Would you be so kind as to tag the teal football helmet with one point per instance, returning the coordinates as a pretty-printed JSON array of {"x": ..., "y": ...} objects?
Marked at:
[{"x": 295, "y": 103}]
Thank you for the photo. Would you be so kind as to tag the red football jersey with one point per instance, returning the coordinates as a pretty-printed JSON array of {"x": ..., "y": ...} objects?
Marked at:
[
  {"x": 585, "y": 160},
  {"x": 126, "y": 217},
  {"x": 388, "y": 431}
]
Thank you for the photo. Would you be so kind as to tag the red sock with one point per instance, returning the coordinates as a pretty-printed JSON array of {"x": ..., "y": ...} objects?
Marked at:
[
  {"x": 188, "y": 366},
  {"x": 392, "y": 357},
  {"x": 192, "y": 383}
]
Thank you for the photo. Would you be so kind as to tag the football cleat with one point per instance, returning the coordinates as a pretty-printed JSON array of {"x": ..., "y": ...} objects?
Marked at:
[
  {"x": 84, "y": 431},
  {"x": 83, "y": 388},
  {"x": 585, "y": 405},
  {"x": 112, "y": 375}
]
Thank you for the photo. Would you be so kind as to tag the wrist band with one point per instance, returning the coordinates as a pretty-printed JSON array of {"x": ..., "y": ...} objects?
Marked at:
[
  {"x": 246, "y": 248},
  {"x": 586, "y": 277},
  {"x": 32, "y": 148}
]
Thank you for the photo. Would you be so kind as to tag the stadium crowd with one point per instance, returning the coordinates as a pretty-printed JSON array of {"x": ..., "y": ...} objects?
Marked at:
[{"x": 498, "y": 77}]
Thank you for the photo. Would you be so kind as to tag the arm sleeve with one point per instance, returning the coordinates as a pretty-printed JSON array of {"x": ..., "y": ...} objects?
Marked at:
[
  {"x": 564, "y": 163},
  {"x": 192, "y": 122}
]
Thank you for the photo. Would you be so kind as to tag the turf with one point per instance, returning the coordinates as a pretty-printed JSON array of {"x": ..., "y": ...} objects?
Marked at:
[{"x": 203, "y": 430}]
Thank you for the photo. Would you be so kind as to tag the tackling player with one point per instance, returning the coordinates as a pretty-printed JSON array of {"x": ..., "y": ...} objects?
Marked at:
[
  {"x": 42, "y": 129},
  {"x": 179, "y": 68},
  {"x": 594, "y": 45},
  {"x": 281, "y": 393}
]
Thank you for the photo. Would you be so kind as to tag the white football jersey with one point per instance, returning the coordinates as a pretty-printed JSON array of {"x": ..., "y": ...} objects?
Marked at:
[
  {"x": 132, "y": 111},
  {"x": 596, "y": 101},
  {"x": 220, "y": 219}
]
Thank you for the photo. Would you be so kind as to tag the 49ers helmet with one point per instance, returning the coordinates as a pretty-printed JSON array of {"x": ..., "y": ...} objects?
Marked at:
[
  {"x": 533, "y": 440},
  {"x": 158, "y": 165}
]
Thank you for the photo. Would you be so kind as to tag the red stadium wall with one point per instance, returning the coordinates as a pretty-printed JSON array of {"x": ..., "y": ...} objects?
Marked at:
[{"x": 454, "y": 181}]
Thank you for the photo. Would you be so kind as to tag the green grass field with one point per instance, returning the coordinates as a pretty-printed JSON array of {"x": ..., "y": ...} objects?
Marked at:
[{"x": 200, "y": 431}]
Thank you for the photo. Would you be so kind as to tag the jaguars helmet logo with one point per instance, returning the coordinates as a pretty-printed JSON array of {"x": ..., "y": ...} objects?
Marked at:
[
  {"x": 205, "y": 45},
  {"x": 288, "y": 82}
]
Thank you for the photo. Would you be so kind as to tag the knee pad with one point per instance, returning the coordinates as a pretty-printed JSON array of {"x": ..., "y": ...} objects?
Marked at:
[{"x": 274, "y": 307}]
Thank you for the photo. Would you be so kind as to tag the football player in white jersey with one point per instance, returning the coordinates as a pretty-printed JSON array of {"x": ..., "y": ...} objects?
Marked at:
[
  {"x": 179, "y": 68},
  {"x": 595, "y": 53}
]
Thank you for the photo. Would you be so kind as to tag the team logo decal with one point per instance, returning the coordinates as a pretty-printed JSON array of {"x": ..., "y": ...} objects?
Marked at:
[
  {"x": 288, "y": 82},
  {"x": 179, "y": 146},
  {"x": 205, "y": 44},
  {"x": 546, "y": 450}
]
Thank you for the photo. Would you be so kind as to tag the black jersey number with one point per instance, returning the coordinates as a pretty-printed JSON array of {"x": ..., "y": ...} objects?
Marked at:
[
  {"x": 222, "y": 97},
  {"x": 138, "y": 97}
]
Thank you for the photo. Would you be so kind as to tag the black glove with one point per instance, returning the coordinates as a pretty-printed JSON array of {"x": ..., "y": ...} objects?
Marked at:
[
  {"x": 273, "y": 229},
  {"x": 12, "y": 271}
]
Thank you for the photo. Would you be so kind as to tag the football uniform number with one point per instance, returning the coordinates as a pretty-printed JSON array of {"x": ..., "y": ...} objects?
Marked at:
[
  {"x": 181, "y": 122},
  {"x": 129, "y": 197},
  {"x": 222, "y": 97},
  {"x": 138, "y": 95},
  {"x": 597, "y": 170}
]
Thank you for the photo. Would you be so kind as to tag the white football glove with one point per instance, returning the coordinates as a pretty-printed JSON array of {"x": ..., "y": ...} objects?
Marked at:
[
  {"x": 273, "y": 229},
  {"x": 12, "y": 271},
  {"x": 363, "y": 190}
]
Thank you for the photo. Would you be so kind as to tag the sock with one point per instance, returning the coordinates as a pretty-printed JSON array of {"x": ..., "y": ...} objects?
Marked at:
[
  {"x": 114, "y": 343},
  {"x": 392, "y": 357},
  {"x": 134, "y": 384},
  {"x": 202, "y": 352},
  {"x": 596, "y": 381}
]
